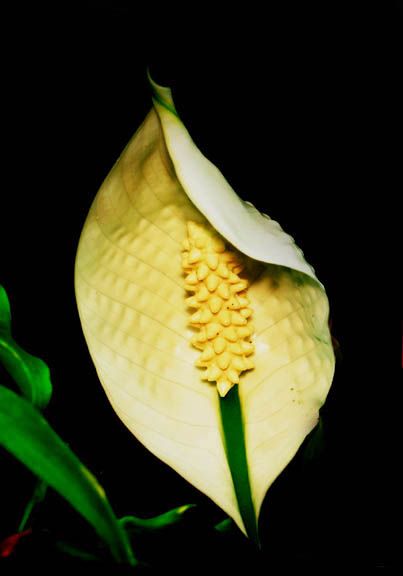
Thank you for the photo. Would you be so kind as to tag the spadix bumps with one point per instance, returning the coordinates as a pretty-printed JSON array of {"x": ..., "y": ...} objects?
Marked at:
[{"x": 221, "y": 303}]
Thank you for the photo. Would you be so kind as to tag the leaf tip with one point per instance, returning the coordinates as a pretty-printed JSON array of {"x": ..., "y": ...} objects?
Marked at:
[{"x": 161, "y": 95}]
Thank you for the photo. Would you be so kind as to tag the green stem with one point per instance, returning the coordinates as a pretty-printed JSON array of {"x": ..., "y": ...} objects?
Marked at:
[
  {"x": 232, "y": 423},
  {"x": 37, "y": 497}
]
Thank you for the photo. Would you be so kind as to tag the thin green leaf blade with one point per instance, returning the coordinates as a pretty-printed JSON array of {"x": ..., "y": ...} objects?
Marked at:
[
  {"x": 156, "y": 523},
  {"x": 27, "y": 435},
  {"x": 31, "y": 374}
]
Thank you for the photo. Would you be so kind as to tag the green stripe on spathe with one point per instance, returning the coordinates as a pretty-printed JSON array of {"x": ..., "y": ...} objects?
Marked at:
[
  {"x": 232, "y": 424},
  {"x": 162, "y": 95}
]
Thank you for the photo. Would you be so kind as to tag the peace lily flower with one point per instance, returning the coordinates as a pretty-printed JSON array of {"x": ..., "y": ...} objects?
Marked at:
[{"x": 207, "y": 327}]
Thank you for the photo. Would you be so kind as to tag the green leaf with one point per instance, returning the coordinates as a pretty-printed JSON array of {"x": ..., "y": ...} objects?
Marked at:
[
  {"x": 224, "y": 526},
  {"x": 27, "y": 435},
  {"x": 30, "y": 374},
  {"x": 159, "y": 522}
]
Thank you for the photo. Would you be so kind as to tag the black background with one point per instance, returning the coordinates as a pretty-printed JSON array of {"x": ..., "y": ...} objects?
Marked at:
[{"x": 298, "y": 107}]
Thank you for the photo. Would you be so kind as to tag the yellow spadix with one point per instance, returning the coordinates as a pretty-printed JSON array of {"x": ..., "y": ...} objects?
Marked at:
[{"x": 222, "y": 307}]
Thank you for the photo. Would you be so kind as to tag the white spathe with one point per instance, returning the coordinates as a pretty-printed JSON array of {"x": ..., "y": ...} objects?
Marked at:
[{"x": 131, "y": 299}]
